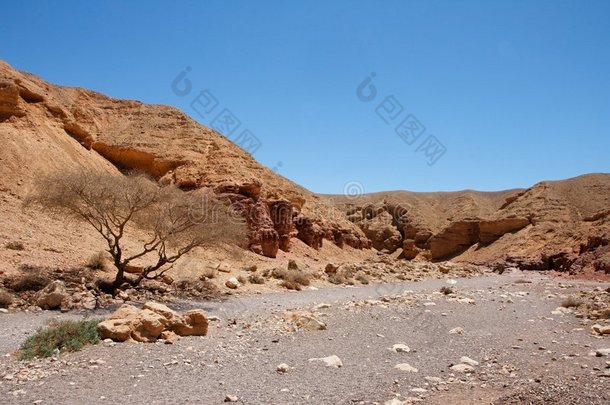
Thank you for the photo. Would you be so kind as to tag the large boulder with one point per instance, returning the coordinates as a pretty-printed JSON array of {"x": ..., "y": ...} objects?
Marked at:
[
  {"x": 191, "y": 323},
  {"x": 52, "y": 296},
  {"x": 152, "y": 322},
  {"x": 130, "y": 323}
]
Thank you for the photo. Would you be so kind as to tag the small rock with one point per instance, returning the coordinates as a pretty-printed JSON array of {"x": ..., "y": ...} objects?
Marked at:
[
  {"x": 393, "y": 401},
  {"x": 3, "y": 310},
  {"x": 406, "y": 367},
  {"x": 466, "y": 301},
  {"x": 330, "y": 268},
  {"x": 400, "y": 348},
  {"x": 462, "y": 368},
  {"x": 283, "y": 368},
  {"x": 232, "y": 283},
  {"x": 434, "y": 380},
  {"x": 231, "y": 398},
  {"x": 602, "y": 352},
  {"x": 457, "y": 331},
  {"x": 602, "y": 330},
  {"x": 330, "y": 361},
  {"x": 469, "y": 361}
]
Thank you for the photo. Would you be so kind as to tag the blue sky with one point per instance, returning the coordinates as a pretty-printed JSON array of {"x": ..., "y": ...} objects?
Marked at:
[{"x": 515, "y": 91}]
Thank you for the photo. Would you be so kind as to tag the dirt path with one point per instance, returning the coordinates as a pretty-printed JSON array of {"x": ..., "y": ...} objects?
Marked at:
[{"x": 522, "y": 349}]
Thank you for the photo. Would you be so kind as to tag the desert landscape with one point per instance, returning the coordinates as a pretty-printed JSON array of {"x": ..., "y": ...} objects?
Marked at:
[
  {"x": 395, "y": 297},
  {"x": 206, "y": 202}
]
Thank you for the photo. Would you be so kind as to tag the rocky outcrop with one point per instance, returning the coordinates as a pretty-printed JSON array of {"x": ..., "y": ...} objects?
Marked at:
[
  {"x": 10, "y": 102},
  {"x": 152, "y": 322},
  {"x": 391, "y": 226},
  {"x": 460, "y": 235},
  {"x": 282, "y": 213},
  {"x": 454, "y": 239},
  {"x": 309, "y": 232},
  {"x": 382, "y": 232}
]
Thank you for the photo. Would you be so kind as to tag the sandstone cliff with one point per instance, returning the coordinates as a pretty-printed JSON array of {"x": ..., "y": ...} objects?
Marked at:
[{"x": 45, "y": 127}]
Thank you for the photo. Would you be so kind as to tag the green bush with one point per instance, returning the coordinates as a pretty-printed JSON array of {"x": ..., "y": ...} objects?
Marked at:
[{"x": 65, "y": 336}]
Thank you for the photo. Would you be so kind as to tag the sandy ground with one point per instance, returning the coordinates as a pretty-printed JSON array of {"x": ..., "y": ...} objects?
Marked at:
[{"x": 526, "y": 354}]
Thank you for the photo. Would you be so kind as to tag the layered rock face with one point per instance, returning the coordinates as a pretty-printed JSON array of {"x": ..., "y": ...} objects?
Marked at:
[
  {"x": 392, "y": 226},
  {"x": 81, "y": 128},
  {"x": 461, "y": 235},
  {"x": 560, "y": 225}
]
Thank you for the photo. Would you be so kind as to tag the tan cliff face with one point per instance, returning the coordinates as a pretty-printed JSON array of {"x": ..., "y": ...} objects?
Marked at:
[
  {"x": 554, "y": 225},
  {"x": 46, "y": 128}
]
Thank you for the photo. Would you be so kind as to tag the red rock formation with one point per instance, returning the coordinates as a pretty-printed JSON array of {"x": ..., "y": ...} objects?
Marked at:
[
  {"x": 281, "y": 215},
  {"x": 309, "y": 232}
]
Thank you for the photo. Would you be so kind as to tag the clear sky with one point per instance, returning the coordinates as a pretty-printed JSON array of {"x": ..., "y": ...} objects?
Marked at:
[{"x": 515, "y": 91}]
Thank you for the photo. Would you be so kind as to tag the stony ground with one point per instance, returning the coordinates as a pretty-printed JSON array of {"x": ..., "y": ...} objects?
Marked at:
[{"x": 520, "y": 349}]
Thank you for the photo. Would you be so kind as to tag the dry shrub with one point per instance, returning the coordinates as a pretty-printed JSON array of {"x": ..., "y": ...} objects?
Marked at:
[
  {"x": 209, "y": 273},
  {"x": 291, "y": 285},
  {"x": 15, "y": 245},
  {"x": 32, "y": 278},
  {"x": 256, "y": 279},
  {"x": 338, "y": 278},
  {"x": 200, "y": 288},
  {"x": 446, "y": 290},
  {"x": 98, "y": 261},
  {"x": 362, "y": 278},
  {"x": 6, "y": 299},
  {"x": 571, "y": 302},
  {"x": 292, "y": 276}
]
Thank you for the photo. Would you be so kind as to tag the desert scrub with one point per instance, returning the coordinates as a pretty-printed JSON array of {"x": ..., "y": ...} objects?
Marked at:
[
  {"x": 32, "y": 278},
  {"x": 98, "y": 261},
  {"x": 292, "y": 278},
  {"x": 571, "y": 302},
  {"x": 256, "y": 279},
  {"x": 6, "y": 299},
  {"x": 446, "y": 290},
  {"x": 362, "y": 278},
  {"x": 15, "y": 245},
  {"x": 62, "y": 336},
  {"x": 208, "y": 273}
]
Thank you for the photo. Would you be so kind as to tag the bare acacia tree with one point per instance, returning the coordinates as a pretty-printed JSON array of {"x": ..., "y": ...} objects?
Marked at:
[{"x": 174, "y": 222}]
